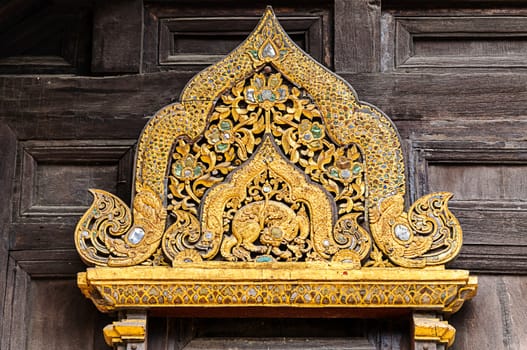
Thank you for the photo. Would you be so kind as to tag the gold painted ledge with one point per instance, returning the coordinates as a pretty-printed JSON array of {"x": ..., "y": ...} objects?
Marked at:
[{"x": 308, "y": 285}]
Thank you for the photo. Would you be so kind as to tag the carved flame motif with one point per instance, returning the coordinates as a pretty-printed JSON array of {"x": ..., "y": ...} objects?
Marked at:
[
  {"x": 239, "y": 221},
  {"x": 275, "y": 212},
  {"x": 427, "y": 235},
  {"x": 337, "y": 172}
]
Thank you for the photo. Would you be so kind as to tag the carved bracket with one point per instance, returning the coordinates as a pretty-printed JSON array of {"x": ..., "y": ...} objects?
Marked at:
[
  {"x": 131, "y": 330},
  {"x": 429, "y": 328}
]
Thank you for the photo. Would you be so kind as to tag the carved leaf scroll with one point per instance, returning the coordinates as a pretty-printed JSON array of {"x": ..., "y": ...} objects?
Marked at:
[{"x": 269, "y": 157}]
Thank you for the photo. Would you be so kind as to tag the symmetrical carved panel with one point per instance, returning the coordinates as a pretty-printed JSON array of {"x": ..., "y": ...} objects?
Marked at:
[
  {"x": 268, "y": 98},
  {"x": 270, "y": 185}
]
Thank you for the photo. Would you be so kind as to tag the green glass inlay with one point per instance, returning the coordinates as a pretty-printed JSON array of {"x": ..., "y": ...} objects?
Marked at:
[
  {"x": 264, "y": 259},
  {"x": 179, "y": 169},
  {"x": 225, "y": 125},
  {"x": 222, "y": 146},
  {"x": 316, "y": 131}
]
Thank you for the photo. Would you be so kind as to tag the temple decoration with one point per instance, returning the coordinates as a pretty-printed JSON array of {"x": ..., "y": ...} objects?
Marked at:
[{"x": 270, "y": 184}]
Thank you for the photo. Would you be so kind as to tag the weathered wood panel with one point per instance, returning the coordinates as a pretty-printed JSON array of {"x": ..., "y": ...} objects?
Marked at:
[
  {"x": 489, "y": 188},
  {"x": 44, "y": 309},
  {"x": 7, "y": 168},
  {"x": 52, "y": 182},
  {"x": 61, "y": 318},
  {"x": 496, "y": 318},
  {"x": 451, "y": 101},
  {"x": 178, "y": 334},
  {"x": 279, "y": 343},
  {"x": 182, "y": 37},
  {"x": 44, "y": 37},
  {"x": 357, "y": 36},
  {"x": 117, "y": 37},
  {"x": 447, "y": 43}
]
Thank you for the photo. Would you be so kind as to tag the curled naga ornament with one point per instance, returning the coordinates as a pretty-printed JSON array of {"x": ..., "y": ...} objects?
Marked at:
[{"x": 269, "y": 157}]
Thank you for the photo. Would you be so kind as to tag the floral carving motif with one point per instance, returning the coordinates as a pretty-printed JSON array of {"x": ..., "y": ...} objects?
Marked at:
[
  {"x": 262, "y": 225},
  {"x": 269, "y": 89}
]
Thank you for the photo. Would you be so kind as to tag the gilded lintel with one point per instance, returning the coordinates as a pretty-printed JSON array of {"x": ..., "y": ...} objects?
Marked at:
[
  {"x": 300, "y": 285},
  {"x": 125, "y": 331},
  {"x": 433, "y": 329}
]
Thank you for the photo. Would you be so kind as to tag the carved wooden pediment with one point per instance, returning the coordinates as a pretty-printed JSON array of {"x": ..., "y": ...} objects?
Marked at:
[{"x": 270, "y": 185}]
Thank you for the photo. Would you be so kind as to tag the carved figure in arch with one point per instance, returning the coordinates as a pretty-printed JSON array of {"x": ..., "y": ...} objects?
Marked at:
[
  {"x": 268, "y": 86},
  {"x": 274, "y": 224}
]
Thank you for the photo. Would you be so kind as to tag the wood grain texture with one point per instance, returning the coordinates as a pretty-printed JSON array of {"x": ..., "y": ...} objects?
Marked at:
[
  {"x": 178, "y": 333},
  {"x": 17, "y": 312},
  {"x": 43, "y": 308},
  {"x": 45, "y": 37},
  {"x": 117, "y": 36},
  {"x": 487, "y": 179},
  {"x": 7, "y": 161},
  {"x": 495, "y": 318},
  {"x": 182, "y": 37},
  {"x": 463, "y": 42},
  {"x": 451, "y": 101},
  {"x": 59, "y": 316},
  {"x": 357, "y": 35},
  {"x": 278, "y": 343}
]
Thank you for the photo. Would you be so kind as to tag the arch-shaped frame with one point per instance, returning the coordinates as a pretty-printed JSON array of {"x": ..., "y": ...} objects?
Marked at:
[{"x": 402, "y": 265}]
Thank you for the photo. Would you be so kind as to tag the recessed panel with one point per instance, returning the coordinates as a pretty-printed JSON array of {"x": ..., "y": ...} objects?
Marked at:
[
  {"x": 180, "y": 36},
  {"x": 55, "y": 176},
  {"x": 61, "y": 317},
  {"x": 490, "y": 199},
  {"x": 207, "y": 40},
  {"x": 476, "y": 182},
  {"x": 67, "y": 184},
  {"x": 423, "y": 42}
]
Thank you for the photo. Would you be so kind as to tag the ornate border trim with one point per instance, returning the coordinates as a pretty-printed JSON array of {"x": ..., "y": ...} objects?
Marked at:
[{"x": 309, "y": 285}]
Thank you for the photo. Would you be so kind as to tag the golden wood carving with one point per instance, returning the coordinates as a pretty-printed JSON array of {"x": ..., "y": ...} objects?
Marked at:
[
  {"x": 132, "y": 330},
  {"x": 311, "y": 285},
  {"x": 432, "y": 329},
  {"x": 269, "y": 170},
  {"x": 268, "y": 89}
]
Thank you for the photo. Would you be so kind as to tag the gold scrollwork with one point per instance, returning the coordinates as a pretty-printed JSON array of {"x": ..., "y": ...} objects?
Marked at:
[
  {"x": 348, "y": 152},
  {"x": 427, "y": 235},
  {"x": 106, "y": 235}
]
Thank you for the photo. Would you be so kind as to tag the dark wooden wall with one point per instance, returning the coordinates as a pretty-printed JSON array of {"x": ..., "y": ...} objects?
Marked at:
[{"x": 78, "y": 81}]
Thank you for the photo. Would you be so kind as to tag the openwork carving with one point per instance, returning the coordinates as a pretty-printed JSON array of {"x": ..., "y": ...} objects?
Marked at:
[
  {"x": 268, "y": 90},
  {"x": 270, "y": 184}
]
